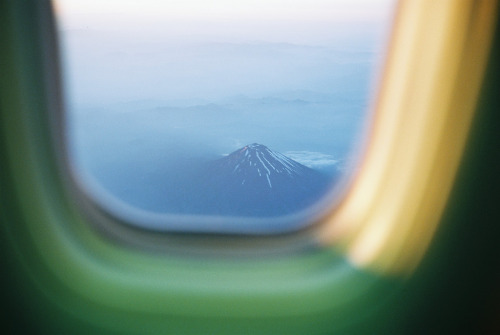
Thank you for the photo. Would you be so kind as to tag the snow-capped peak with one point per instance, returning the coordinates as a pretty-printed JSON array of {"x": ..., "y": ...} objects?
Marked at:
[
  {"x": 258, "y": 181},
  {"x": 256, "y": 161}
]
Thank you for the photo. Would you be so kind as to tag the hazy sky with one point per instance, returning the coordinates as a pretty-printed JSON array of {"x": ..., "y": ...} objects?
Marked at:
[
  {"x": 124, "y": 50},
  {"x": 110, "y": 13}
]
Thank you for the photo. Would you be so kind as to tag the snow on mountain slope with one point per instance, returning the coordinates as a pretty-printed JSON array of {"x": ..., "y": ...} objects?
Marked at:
[
  {"x": 256, "y": 181},
  {"x": 257, "y": 163}
]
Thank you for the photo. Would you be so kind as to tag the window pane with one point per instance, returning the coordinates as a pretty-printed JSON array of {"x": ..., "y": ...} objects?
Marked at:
[{"x": 217, "y": 108}]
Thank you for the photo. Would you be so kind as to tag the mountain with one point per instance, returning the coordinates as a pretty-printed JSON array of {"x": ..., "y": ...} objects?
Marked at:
[{"x": 256, "y": 181}]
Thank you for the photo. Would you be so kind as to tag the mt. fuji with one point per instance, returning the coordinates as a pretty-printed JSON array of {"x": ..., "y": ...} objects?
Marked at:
[
  {"x": 256, "y": 181},
  {"x": 257, "y": 166}
]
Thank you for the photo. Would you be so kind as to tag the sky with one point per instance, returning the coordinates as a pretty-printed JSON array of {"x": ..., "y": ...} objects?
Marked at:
[
  {"x": 130, "y": 12},
  {"x": 125, "y": 50}
]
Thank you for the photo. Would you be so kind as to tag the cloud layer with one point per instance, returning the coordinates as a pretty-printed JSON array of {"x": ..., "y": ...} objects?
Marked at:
[{"x": 312, "y": 159}]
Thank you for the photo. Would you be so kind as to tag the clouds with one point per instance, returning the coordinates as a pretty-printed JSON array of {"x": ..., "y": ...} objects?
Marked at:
[
  {"x": 312, "y": 159},
  {"x": 106, "y": 68}
]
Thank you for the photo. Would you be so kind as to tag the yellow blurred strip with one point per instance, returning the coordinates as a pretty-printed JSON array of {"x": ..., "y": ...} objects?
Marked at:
[{"x": 428, "y": 94}]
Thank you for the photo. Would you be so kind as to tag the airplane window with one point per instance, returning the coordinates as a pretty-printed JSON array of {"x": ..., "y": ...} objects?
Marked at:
[{"x": 217, "y": 115}]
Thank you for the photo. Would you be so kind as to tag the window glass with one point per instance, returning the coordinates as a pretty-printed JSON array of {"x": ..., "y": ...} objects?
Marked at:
[{"x": 218, "y": 109}]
